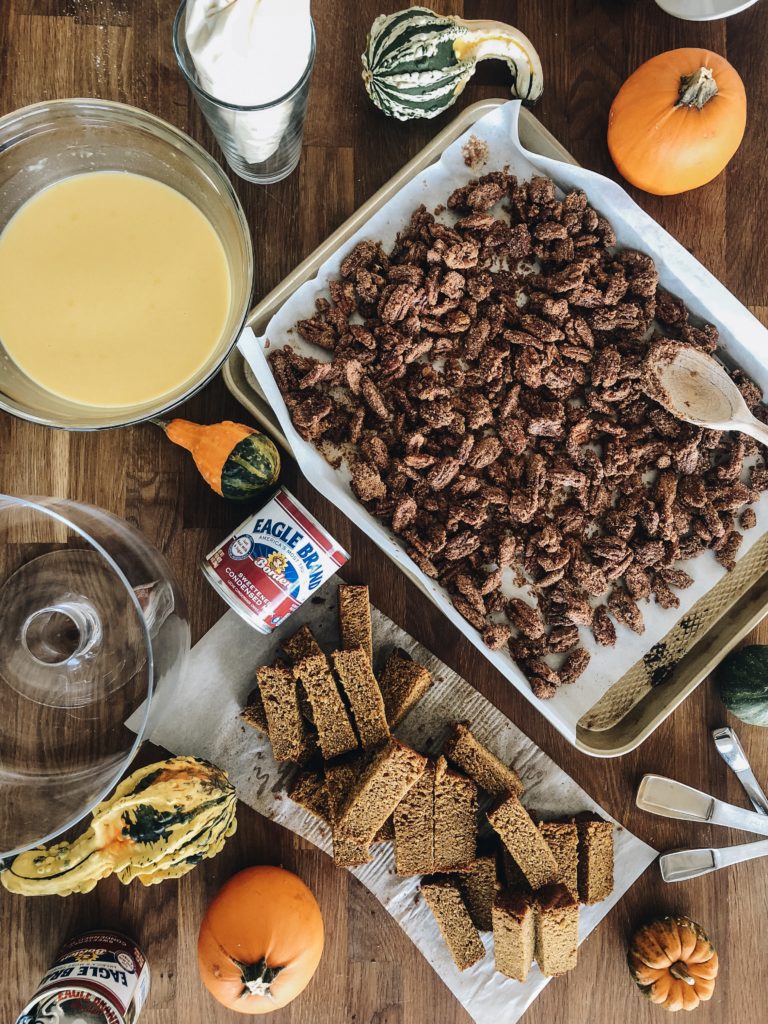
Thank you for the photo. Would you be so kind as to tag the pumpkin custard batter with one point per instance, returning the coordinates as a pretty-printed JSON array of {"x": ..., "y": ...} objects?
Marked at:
[{"x": 114, "y": 289}]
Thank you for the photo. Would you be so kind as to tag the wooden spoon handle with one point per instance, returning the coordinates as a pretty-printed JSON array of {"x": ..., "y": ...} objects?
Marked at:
[{"x": 754, "y": 428}]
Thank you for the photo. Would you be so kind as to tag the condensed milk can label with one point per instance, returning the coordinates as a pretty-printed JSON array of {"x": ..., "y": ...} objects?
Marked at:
[
  {"x": 273, "y": 562},
  {"x": 98, "y": 978}
]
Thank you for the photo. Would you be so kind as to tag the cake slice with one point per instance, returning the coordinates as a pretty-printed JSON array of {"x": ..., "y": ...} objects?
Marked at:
[
  {"x": 455, "y": 819},
  {"x": 563, "y": 840},
  {"x": 557, "y": 930},
  {"x": 479, "y": 886},
  {"x": 525, "y": 843},
  {"x": 253, "y": 713},
  {"x": 414, "y": 827},
  {"x": 386, "y": 833},
  {"x": 443, "y": 898},
  {"x": 403, "y": 683},
  {"x": 513, "y": 934},
  {"x": 376, "y": 792},
  {"x": 301, "y": 645},
  {"x": 366, "y": 703},
  {"x": 511, "y": 875},
  {"x": 595, "y": 858},
  {"x": 339, "y": 779},
  {"x": 355, "y": 619},
  {"x": 309, "y": 791},
  {"x": 484, "y": 768},
  {"x": 287, "y": 730},
  {"x": 335, "y": 734}
]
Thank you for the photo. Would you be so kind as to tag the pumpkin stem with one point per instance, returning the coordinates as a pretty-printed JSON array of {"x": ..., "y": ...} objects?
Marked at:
[
  {"x": 257, "y": 978},
  {"x": 697, "y": 90},
  {"x": 678, "y": 970}
]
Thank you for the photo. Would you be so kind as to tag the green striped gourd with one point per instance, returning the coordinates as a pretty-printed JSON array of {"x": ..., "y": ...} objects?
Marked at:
[{"x": 417, "y": 62}]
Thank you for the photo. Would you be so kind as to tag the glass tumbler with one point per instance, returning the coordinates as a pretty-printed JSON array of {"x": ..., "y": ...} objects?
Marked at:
[
  {"x": 261, "y": 143},
  {"x": 93, "y": 639}
]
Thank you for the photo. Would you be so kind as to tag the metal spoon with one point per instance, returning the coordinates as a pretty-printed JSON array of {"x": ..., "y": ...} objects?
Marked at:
[
  {"x": 694, "y": 387},
  {"x": 732, "y": 752},
  {"x": 680, "y": 865}
]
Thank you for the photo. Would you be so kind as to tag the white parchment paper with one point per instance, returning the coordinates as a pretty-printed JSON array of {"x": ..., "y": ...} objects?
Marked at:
[
  {"x": 219, "y": 677},
  {"x": 743, "y": 338}
]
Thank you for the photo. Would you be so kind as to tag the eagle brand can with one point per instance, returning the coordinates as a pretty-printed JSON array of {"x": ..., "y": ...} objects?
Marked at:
[
  {"x": 97, "y": 978},
  {"x": 273, "y": 562}
]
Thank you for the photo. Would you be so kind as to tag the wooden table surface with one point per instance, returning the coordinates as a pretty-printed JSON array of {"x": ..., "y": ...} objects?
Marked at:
[{"x": 121, "y": 50}]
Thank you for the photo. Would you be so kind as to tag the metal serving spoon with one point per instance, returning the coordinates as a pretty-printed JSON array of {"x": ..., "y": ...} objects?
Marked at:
[
  {"x": 694, "y": 387},
  {"x": 732, "y": 752}
]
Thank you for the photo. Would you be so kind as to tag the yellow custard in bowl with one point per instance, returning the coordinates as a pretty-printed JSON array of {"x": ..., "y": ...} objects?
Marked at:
[{"x": 114, "y": 289}]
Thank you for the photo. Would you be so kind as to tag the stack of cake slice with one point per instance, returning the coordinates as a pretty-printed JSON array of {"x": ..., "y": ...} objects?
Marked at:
[{"x": 332, "y": 716}]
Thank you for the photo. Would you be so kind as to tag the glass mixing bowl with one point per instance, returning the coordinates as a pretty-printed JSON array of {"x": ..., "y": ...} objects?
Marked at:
[
  {"x": 49, "y": 141},
  {"x": 93, "y": 639}
]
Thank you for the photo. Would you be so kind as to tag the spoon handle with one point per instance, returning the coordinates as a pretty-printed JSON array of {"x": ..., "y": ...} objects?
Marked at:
[{"x": 754, "y": 428}]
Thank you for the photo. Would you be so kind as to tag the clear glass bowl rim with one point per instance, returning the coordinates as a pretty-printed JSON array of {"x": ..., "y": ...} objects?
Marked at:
[
  {"x": 33, "y": 503},
  {"x": 175, "y": 137},
  {"x": 197, "y": 88}
]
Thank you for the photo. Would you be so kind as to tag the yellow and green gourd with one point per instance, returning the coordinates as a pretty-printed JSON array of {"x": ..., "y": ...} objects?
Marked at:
[
  {"x": 417, "y": 62},
  {"x": 235, "y": 460},
  {"x": 162, "y": 821}
]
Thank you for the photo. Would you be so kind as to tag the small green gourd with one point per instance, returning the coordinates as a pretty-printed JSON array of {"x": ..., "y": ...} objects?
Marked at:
[
  {"x": 236, "y": 461},
  {"x": 417, "y": 62},
  {"x": 742, "y": 682}
]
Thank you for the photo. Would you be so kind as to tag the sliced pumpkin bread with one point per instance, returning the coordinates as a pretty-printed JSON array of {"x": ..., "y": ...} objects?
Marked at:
[
  {"x": 563, "y": 840},
  {"x": 335, "y": 734},
  {"x": 464, "y": 750},
  {"x": 301, "y": 645},
  {"x": 403, "y": 683},
  {"x": 525, "y": 843},
  {"x": 414, "y": 820},
  {"x": 444, "y": 899},
  {"x": 354, "y": 671},
  {"x": 557, "y": 929},
  {"x": 455, "y": 819},
  {"x": 595, "y": 858},
  {"x": 355, "y": 618},
  {"x": 377, "y": 791},
  {"x": 288, "y": 731},
  {"x": 514, "y": 934},
  {"x": 253, "y": 713},
  {"x": 479, "y": 886}
]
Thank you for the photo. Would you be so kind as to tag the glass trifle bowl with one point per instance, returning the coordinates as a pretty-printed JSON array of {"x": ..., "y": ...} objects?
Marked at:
[
  {"x": 93, "y": 640},
  {"x": 50, "y": 143}
]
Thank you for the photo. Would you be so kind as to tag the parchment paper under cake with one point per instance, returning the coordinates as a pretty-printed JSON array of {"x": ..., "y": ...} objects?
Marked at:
[{"x": 204, "y": 722}]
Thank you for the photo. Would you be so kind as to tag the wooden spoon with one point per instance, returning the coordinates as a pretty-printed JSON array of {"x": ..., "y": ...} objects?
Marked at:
[{"x": 694, "y": 387}]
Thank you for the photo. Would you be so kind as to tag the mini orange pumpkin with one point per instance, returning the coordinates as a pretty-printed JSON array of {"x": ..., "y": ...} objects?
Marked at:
[
  {"x": 673, "y": 963},
  {"x": 260, "y": 941},
  {"x": 677, "y": 121}
]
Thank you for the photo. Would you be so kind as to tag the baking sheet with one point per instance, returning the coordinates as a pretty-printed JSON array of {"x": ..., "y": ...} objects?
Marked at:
[
  {"x": 220, "y": 675},
  {"x": 743, "y": 338}
]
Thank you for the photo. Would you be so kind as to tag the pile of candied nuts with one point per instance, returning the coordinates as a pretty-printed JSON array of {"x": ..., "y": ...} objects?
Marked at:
[{"x": 486, "y": 386}]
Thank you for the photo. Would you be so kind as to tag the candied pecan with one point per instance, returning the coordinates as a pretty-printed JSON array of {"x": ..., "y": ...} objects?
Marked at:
[
  {"x": 637, "y": 581},
  {"x": 748, "y": 519},
  {"x": 537, "y": 668},
  {"x": 442, "y": 473},
  {"x": 462, "y": 255},
  {"x": 496, "y": 635},
  {"x": 603, "y": 628},
  {"x": 317, "y": 332},
  {"x": 725, "y": 552},
  {"x": 676, "y": 578},
  {"x": 461, "y": 544},
  {"x": 541, "y": 688},
  {"x": 625, "y": 610},
  {"x": 366, "y": 482},
  {"x": 469, "y": 612},
  {"x": 404, "y": 513},
  {"x": 664, "y": 595},
  {"x": 525, "y": 618},
  {"x": 373, "y": 399},
  {"x": 563, "y": 638},
  {"x": 574, "y": 666}
]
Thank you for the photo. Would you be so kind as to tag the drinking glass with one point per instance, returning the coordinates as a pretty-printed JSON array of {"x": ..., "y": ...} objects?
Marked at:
[
  {"x": 261, "y": 143},
  {"x": 93, "y": 638}
]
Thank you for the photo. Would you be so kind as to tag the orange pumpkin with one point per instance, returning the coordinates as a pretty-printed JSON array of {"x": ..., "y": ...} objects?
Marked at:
[
  {"x": 677, "y": 121},
  {"x": 260, "y": 941},
  {"x": 673, "y": 963}
]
